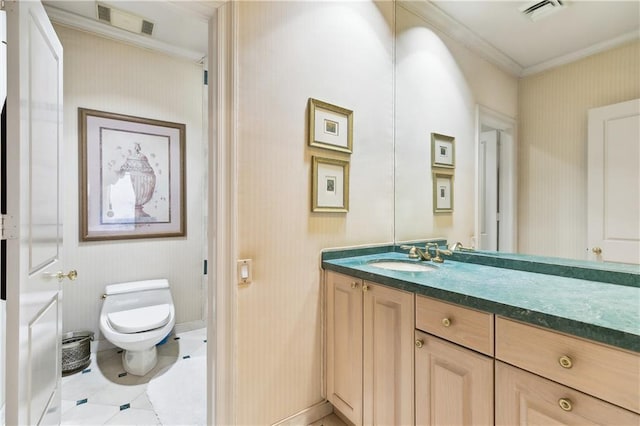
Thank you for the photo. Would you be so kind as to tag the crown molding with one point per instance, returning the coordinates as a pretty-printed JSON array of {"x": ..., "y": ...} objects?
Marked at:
[
  {"x": 202, "y": 10},
  {"x": 92, "y": 26},
  {"x": 444, "y": 24},
  {"x": 582, "y": 53}
]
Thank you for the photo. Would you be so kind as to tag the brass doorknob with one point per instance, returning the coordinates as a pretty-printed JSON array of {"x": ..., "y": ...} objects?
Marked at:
[
  {"x": 446, "y": 322},
  {"x": 71, "y": 275},
  {"x": 419, "y": 343},
  {"x": 597, "y": 250},
  {"x": 365, "y": 287}
]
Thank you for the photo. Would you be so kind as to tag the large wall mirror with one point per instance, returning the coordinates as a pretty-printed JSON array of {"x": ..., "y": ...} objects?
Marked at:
[{"x": 530, "y": 123}]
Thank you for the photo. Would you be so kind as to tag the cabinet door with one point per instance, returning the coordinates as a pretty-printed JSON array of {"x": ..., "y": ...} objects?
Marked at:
[
  {"x": 388, "y": 355},
  {"x": 344, "y": 345},
  {"x": 454, "y": 385},
  {"x": 523, "y": 398}
]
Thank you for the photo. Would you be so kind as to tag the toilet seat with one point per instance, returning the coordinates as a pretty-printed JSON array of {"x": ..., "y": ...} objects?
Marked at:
[{"x": 140, "y": 319}]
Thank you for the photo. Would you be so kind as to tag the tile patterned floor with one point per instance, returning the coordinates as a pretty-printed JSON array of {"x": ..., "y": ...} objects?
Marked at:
[
  {"x": 330, "y": 420},
  {"x": 104, "y": 394}
]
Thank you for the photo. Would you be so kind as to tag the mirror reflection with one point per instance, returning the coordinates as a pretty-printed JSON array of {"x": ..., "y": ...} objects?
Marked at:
[{"x": 528, "y": 178}]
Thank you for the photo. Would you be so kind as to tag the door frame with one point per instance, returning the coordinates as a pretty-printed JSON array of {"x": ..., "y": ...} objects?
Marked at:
[
  {"x": 222, "y": 221},
  {"x": 486, "y": 116}
]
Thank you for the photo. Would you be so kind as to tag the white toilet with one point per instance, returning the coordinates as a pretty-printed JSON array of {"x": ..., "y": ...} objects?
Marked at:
[{"x": 136, "y": 316}]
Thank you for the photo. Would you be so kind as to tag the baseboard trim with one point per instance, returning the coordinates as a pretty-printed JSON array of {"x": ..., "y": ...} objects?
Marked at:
[
  {"x": 189, "y": 326},
  {"x": 308, "y": 415}
]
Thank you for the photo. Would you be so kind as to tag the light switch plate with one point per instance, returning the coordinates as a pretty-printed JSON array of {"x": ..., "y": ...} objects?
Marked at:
[{"x": 245, "y": 271}]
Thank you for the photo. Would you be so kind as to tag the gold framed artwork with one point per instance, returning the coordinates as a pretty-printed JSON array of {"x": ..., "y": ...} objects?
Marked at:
[
  {"x": 442, "y": 151},
  {"x": 442, "y": 193},
  {"x": 330, "y": 185},
  {"x": 330, "y": 126},
  {"x": 132, "y": 177}
]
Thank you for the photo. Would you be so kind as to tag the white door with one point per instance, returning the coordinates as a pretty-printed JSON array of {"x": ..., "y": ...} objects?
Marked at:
[
  {"x": 34, "y": 231},
  {"x": 488, "y": 190},
  {"x": 496, "y": 183},
  {"x": 614, "y": 183}
]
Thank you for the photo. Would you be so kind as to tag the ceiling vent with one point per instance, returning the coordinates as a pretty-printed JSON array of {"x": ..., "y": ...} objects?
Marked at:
[
  {"x": 542, "y": 8},
  {"x": 124, "y": 20}
]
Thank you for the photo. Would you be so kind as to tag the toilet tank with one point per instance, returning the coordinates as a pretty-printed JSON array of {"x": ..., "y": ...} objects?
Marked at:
[{"x": 136, "y": 294}]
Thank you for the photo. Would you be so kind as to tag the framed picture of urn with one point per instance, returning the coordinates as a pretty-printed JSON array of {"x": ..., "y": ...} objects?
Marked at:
[{"x": 132, "y": 177}]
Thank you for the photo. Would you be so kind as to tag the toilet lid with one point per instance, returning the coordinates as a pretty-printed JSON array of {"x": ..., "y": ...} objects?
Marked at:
[{"x": 140, "y": 319}]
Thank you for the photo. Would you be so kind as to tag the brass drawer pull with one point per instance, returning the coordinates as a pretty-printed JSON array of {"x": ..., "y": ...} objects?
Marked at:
[
  {"x": 365, "y": 287},
  {"x": 419, "y": 343},
  {"x": 565, "y": 361},
  {"x": 446, "y": 322},
  {"x": 354, "y": 285},
  {"x": 565, "y": 404}
]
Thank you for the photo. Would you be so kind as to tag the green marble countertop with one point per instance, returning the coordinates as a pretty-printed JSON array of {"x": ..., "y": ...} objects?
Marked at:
[{"x": 603, "y": 312}]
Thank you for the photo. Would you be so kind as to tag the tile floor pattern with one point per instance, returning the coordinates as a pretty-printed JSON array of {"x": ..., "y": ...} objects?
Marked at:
[
  {"x": 330, "y": 420},
  {"x": 104, "y": 394}
]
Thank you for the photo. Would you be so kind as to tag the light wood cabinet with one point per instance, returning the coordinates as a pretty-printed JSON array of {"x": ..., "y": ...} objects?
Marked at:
[
  {"x": 523, "y": 398},
  {"x": 388, "y": 356},
  {"x": 382, "y": 361},
  {"x": 369, "y": 351},
  {"x": 454, "y": 386},
  {"x": 590, "y": 383},
  {"x": 603, "y": 371},
  {"x": 344, "y": 345}
]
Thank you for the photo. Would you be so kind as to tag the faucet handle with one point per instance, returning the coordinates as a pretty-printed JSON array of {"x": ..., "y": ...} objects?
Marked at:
[
  {"x": 413, "y": 251},
  {"x": 455, "y": 246}
]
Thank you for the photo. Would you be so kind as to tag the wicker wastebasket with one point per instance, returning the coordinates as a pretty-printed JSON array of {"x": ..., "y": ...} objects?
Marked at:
[{"x": 76, "y": 351}]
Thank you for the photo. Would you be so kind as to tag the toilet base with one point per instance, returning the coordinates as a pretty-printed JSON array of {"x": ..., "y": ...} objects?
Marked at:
[{"x": 139, "y": 363}]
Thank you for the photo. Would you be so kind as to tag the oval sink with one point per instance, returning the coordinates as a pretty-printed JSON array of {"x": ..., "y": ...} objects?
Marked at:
[{"x": 404, "y": 266}]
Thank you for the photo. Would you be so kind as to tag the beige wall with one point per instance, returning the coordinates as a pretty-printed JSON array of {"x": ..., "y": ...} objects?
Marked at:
[
  {"x": 341, "y": 53},
  {"x": 553, "y": 146},
  {"x": 439, "y": 83},
  {"x": 110, "y": 76}
]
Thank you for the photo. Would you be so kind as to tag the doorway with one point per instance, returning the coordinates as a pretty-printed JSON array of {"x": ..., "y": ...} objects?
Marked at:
[{"x": 496, "y": 184}]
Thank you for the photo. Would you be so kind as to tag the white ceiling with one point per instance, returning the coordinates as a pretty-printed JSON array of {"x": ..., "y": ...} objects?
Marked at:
[
  {"x": 496, "y": 29},
  {"x": 581, "y": 28},
  {"x": 180, "y": 26}
]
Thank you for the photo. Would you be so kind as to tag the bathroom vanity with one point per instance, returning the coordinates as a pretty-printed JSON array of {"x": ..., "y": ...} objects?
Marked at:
[{"x": 463, "y": 342}]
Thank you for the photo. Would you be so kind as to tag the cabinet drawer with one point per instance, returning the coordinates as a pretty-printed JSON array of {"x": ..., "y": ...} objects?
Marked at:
[
  {"x": 523, "y": 398},
  {"x": 603, "y": 371},
  {"x": 464, "y": 326}
]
